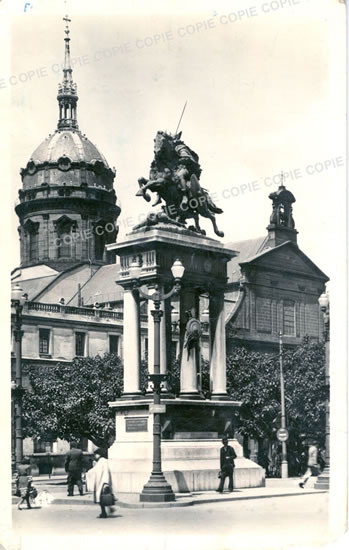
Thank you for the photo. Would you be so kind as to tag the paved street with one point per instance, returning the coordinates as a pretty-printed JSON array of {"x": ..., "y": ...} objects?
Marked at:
[{"x": 299, "y": 520}]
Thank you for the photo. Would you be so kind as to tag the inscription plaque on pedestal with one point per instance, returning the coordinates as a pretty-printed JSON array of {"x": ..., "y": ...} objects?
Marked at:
[{"x": 137, "y": 424}]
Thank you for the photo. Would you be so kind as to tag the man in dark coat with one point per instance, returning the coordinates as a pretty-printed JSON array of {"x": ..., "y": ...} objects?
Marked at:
[
  {"x": 74, "y": 467},
  {"x": 227, "y": 465}
]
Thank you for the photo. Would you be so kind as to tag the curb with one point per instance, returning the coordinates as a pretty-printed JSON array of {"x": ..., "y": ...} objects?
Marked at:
[
  {"x": 178, "y": 503},
  {"x": 174, "y": 504},
  {"x": 209, "y": 500},
  {"x": 189, "y": 502}
]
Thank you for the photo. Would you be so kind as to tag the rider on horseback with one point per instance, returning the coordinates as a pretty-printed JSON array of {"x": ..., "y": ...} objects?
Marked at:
[
  {"x": 174, "y": 176},
  {"x": 188, "y": 165}
]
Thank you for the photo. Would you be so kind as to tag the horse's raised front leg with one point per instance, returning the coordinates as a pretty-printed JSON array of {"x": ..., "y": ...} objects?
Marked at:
[{"x": 215, "y": 228}]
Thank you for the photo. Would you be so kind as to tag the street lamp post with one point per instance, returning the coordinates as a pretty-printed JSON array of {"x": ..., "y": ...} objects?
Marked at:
[
  {"x": 284, "y": 464},
  {"x": 323, "y": 481},
  {"x": 157, "y": 489},
  {"x": 18, "y": 301}
]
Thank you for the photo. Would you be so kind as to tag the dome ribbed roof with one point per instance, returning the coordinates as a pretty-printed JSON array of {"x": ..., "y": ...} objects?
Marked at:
[{"x": 69, "y": 143}]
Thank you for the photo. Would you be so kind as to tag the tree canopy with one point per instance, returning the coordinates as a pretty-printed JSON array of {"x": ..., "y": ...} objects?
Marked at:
[
  {"x": 254, "y": 378},
  {"x": 70, "y": 400}
]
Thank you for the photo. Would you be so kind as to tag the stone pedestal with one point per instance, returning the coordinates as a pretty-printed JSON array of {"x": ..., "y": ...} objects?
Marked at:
[
  {"x": 190, "y": 447},
  {"x": 192, "y": 426}
]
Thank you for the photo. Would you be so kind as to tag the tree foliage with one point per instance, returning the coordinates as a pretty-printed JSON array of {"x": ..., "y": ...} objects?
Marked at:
[
  {"x": 70, "y": 400},
  {"x": 254, "y": 378}
]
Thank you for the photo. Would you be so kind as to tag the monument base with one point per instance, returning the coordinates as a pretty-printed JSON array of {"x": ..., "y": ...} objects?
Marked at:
[
  {"x": 190, "y": 446},
  {"x": 188, "y": 465}
]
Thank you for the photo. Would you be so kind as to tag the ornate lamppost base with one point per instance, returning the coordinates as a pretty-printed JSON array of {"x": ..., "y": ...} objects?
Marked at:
[
  {"x": 157, "y": 490},
  {"x": 323, "y": 481}
]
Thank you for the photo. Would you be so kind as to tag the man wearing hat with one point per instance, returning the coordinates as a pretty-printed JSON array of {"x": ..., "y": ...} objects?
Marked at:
[
  {"x": 227, "y": 457},
  {"x": 73, "y": 467}
]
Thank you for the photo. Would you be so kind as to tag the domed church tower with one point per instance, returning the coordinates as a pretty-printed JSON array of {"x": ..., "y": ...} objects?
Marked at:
[{"x": 67, "y": 209}]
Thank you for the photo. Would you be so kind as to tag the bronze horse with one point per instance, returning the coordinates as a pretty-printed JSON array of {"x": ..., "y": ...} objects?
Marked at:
[{"x": 174, "y": 176}]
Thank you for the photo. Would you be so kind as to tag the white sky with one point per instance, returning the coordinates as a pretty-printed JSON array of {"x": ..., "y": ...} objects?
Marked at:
[{"x": 259, "y": 91}]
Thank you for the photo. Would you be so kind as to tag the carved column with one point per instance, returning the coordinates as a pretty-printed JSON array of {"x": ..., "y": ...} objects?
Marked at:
[
  {"x": 132, "y": 348},
  {"x": 218, "y": 378},
  {"x": 189, "y": 301}
]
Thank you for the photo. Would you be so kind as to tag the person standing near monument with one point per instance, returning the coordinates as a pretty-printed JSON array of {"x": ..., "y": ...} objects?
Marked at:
[
  {"x": 227, "y": 456},
  {"x": 313, "y": 467},
  {"x": 74, "y": 467}
]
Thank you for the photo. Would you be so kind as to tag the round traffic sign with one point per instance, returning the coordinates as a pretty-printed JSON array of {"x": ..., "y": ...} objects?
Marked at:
[{"x": 282, "y": 434}]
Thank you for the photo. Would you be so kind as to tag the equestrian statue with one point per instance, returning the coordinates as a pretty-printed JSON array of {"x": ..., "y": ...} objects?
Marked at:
[{"x": 174, "y": 175}]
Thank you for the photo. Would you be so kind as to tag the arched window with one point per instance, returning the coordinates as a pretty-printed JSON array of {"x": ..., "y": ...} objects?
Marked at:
[
  {"x": 31, "y": 232},
  {"x": 100, "y": 234},
  {"x": 65, "y": 227},
  {"x": 34, "y": 246},
  {"x": 65, "y": 242},
  {"x": 99, "y": 246}
]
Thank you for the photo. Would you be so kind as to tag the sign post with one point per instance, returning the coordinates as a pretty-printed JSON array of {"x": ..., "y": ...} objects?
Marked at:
[
  {"x": 283, "y": 430},
  {"x": 282, "y": 434}
]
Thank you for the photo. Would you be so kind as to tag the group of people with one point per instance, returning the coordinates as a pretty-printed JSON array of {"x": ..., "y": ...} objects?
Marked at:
[{"x": 99, "y": 479}]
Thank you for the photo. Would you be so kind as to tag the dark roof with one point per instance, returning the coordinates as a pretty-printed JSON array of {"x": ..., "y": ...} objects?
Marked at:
[
  {"x": 247, "y": 250},
  {"x": 101, "y": 287},
  {"x": 33, "y": 272},
  {"x": 33, "y": 287},
  {"x": 66, "y": 284}
]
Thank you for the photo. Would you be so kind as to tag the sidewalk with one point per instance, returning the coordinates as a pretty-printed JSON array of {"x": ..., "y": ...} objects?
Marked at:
[{"x": 275, "y": 487}]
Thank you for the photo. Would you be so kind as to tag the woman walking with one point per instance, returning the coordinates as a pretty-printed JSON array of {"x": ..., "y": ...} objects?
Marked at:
[
  {"x": 99, "y": 480},
  {"x": 23, "y": 482}
]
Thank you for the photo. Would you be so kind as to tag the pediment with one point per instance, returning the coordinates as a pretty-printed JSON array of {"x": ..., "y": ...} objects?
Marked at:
[
  {"x": 64, "y": 222},
  {"x": 286, "y": 258}
]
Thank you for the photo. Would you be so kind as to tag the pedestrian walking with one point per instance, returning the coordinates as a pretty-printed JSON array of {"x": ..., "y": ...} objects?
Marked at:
[
  {"x": 312, "y": 464},
  {"x": 73, "y": 467},
  {"x": 227, "y": 456},
  {"x": 99, "y": 480},
  {"x": 24, "y": 482}
]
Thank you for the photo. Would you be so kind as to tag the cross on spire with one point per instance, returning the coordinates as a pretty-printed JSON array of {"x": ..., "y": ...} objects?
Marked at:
[
  {"x": 67, "y": 96},
  {"x": 67, "y": 20}
]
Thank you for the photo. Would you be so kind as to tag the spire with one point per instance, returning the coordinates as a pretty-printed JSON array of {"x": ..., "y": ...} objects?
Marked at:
[{"x": 67, "y": 96}]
